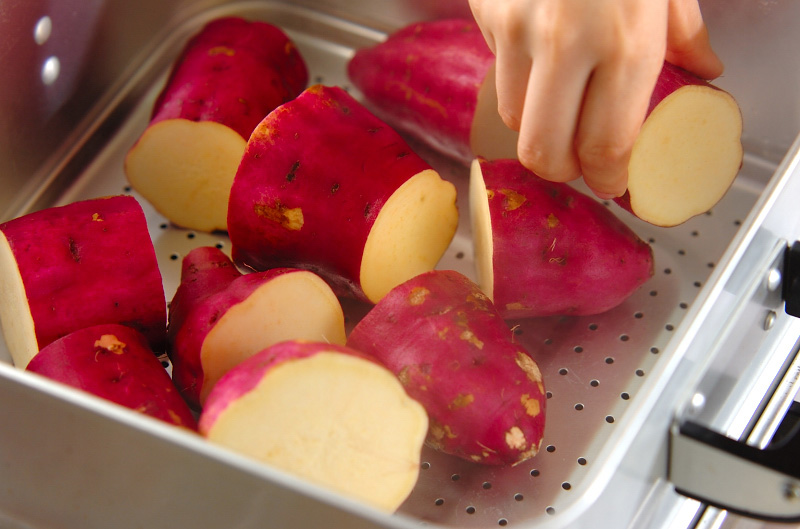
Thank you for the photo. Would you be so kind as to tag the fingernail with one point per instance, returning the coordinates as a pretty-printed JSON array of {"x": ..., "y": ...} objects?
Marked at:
[{"x": 606, "y": 196}]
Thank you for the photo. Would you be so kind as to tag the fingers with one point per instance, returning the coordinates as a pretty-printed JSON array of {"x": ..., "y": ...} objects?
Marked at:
[
  {"x": 688, "y": 44},
  {"x": 512, "y": 71},
  {"x": 550, "y": 115},
  {"x": 613, "y": 111}
]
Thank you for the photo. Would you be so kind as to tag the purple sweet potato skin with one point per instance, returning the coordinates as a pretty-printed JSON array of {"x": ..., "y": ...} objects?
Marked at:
[
  {"x": 233, "y": 72},
  {"x": 424, "y": 80},
  {"x": 248, "y": 374},
  {"x": 210, "y": 285},
  {"x": 441, "y": 335},
  {"x": 557, "y": 251},
  {"x": 87, "y": 263},
  {"x": 315, "y": 174},
  {"x": 114, "y": 362}
]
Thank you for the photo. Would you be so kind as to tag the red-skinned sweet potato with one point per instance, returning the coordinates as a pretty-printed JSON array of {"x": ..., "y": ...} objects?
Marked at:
[
  {"x": 435, "y": 81},
  {"x": 688, "y": 152},
  {"x": 325, "y": 412},
  {"x": 219, "y": 317},
  {"x": 325, "y": 185},
  {"x": 454, "y": 354},
  {"x": 227, "y": 78},
  {"x": 115, "y": 362},
  {"x": 543, "y": 248},
  {"x": 74, "y": 266}
]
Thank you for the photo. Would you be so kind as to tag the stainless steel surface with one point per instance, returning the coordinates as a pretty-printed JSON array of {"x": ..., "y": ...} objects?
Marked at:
[{"x": 615, "y": 380}]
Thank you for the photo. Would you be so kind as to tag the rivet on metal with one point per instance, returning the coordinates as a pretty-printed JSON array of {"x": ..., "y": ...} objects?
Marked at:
[
  {"x": 774, "y": 279},
  {"x": 791, "y": 491},
  {"x": 42, "y": 30},
  {"x": 769, "y": 321},
  {"x": 50, "y": 70},
  {"x": 697, "y": 403}
]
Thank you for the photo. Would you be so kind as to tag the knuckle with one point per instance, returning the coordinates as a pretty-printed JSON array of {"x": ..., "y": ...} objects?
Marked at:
[
  {"x": 545, "y": 165},
  {"x": 601, "y": 156}
]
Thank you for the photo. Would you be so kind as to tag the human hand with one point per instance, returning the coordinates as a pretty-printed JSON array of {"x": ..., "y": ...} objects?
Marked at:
[{"x": 574, "y": 77}]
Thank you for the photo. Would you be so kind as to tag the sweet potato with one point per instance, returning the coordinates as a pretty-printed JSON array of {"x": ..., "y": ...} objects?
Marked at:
[
  {"x": 226, "y": 79},
  {"x": 543, "y": 248},
  {"x": 74, "y": 266},
  {"x": 454, "y": 354},
  {"x": 326, "y": 413},
  {"x": 325, "y": 185},
  {"x": 115, "y": 362},
  {"x": 688, "y": 151},
  {"x": 435, "y": 81},
  {"x": 218, "y": 317}
]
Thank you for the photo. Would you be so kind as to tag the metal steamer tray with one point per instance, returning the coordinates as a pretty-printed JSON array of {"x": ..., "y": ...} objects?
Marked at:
[{"x": 613, "y": 380}]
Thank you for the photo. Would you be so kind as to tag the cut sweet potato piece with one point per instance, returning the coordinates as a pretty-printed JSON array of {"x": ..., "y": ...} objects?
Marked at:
[
  {"x": 227, "y": 78},
  {"x": 219, "y": 317},
  {"x": 70, "y": 267},
  {"x": 543, "y": 248},
  {"x": 326, "y": 413},
  {"x": 688, "y": 151},
  {"x": 325, "y": 185},
  {"x": 454, "y": 354},
  {"x": 115, "y": 362},
  {"x": 435, "y": 81}
]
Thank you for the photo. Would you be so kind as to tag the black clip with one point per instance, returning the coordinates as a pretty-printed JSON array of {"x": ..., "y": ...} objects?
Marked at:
[{"x": 791, "y": 279}]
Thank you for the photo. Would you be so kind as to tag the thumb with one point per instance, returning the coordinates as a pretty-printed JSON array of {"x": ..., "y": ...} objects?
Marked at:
[{"x": 688, "y": 45}]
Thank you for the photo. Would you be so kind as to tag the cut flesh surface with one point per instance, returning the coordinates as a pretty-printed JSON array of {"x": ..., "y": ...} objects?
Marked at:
[
  {"x": 340, "y": 421},
  {"x": 410, "y": 234},
  {"x": 481, "y": 230},
  {"x": 686, "y": 155},
  {"x": 298, "y": 305},
  {"x": 15, "y": 313},
  {"x": 490, "y": 138},
  {"x": 185, "y": 170}
]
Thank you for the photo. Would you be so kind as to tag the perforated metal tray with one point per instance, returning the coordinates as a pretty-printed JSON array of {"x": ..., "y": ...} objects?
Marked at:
[{"x": 595, "y": 368}]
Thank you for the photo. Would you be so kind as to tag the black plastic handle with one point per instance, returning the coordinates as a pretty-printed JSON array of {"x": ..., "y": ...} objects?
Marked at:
[{"x": 791, "y": 279}]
